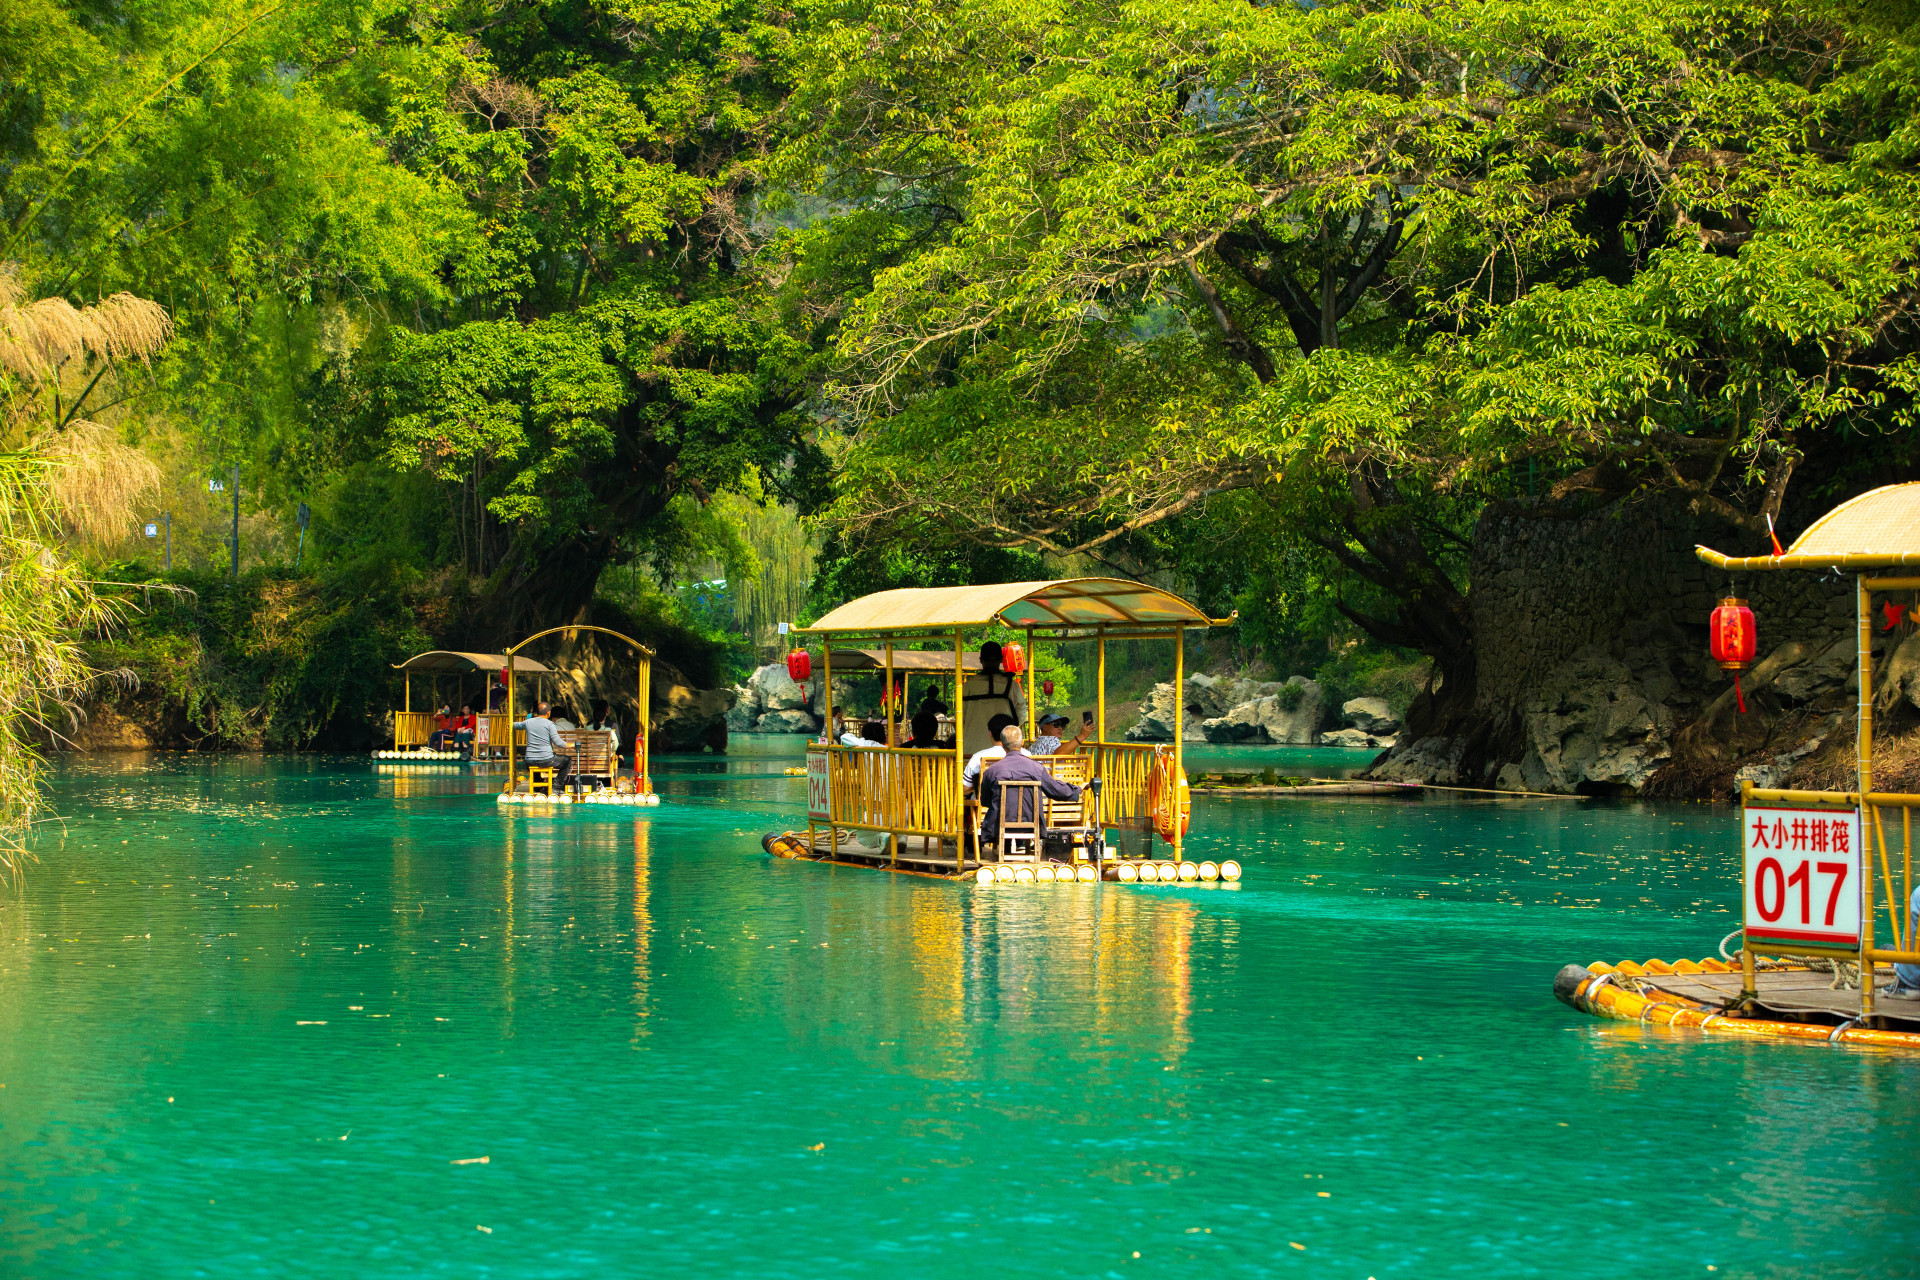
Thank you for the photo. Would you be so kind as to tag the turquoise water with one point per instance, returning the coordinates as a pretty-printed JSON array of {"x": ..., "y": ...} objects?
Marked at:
[{"x": 253, "y": 1012}]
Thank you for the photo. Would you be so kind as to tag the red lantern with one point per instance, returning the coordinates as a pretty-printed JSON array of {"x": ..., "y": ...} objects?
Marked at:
[
  {"x": 799, "y": 665},
  {"x": 1733, "y": 641},
  {"x": 1013, "y": 659},
  {"x": 1046, "y": 687}
]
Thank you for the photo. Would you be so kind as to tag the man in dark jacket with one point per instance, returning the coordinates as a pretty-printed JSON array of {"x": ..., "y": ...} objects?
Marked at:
[{"x": 1015, "y": 766}]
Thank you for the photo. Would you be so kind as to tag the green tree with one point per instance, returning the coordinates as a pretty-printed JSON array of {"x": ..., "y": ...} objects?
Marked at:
[{"x": 1359, "y": 259}]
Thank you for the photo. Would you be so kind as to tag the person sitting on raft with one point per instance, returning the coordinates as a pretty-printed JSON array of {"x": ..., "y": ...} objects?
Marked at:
[
  {"x": 442, "y": 728},
  {"x": 926, "y": 731},
  {"x": 546, "y": 749},
  {"x": 970, "y": 776},
  {"x": 603, "y": 723},
  {"x": 1049, "y": 743},
  {"x": 1015, "y": 765},
  {"x": 463, "y": 728}
]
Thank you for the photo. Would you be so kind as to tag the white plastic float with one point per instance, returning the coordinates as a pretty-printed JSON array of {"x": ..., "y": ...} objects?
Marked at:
[
  {"x": 421, "y": 755},
  {"x": 629, "y": 800},
  {"x": 1123, "y": 872}
]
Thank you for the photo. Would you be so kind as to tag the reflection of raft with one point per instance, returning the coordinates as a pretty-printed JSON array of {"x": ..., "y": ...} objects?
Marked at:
[
  {"x": 922, "y": 858},
  {"x": 1792, "y": 1002}
]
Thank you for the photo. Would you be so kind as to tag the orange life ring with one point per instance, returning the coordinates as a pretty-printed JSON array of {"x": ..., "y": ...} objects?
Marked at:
[{"x": 1170, "y": 795}]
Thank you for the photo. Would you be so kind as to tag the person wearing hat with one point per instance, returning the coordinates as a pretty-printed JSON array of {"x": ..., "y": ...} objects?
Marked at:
[{"x": 1051, "y": 726}]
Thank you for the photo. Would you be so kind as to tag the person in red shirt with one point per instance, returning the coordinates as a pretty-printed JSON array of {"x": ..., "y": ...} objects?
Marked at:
[{"x": 442, "y": 728}]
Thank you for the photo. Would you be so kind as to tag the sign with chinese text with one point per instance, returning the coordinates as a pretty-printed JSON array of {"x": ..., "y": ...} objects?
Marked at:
[
  {"x": 819, "y": 791},
  {"x": 1802, "y": 877}
]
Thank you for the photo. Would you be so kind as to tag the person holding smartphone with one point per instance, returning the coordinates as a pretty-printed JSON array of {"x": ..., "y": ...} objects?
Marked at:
[{"x": 1049, "y": 742}]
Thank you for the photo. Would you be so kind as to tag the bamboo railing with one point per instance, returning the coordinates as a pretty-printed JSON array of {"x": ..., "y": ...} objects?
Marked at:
[
  {"x": 894, "y": 789},
  {"x": 411, "y": 729},
  {"x": 1123, "y": 769}
]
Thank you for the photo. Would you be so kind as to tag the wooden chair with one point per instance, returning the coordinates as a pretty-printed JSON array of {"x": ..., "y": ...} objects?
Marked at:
[
  {"x": 1077, "y": 822},
  {"x": 1022, "y": 821},
  {"x": 593, "y": 754},
  {"x": 540, "y": 779}
]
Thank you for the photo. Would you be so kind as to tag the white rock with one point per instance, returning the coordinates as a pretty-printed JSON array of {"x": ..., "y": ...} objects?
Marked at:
[{"x": 1371, "y": 715}]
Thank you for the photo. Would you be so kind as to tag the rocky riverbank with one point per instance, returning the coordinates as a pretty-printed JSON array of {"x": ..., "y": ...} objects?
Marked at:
[
  {"x": 771, "y": 701},
  {"x": 1236, "y": 709}
]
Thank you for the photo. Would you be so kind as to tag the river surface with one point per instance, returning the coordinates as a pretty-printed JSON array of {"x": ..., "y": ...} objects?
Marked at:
[{"x": 293, "y": 1016}]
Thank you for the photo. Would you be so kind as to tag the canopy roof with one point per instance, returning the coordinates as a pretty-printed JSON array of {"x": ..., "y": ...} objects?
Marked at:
[
  {"x": 904, "y": 660},
  {"x": 452, "y": 660},
  {"x": 1880, "y": 529},
  {"x": 1064, "y": 603}
]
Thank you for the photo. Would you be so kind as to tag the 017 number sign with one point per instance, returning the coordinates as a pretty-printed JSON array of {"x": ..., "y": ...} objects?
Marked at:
[{"x": 1802, "y": 876}]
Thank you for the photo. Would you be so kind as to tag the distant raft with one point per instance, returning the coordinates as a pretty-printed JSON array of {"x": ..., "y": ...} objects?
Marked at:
[{"x": 1791, "y": 1001}]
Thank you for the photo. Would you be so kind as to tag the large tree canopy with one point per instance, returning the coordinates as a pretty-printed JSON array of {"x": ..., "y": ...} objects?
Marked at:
[
  {"x": 1359, "y": 259},
  {"x": 506, "y": 250}
]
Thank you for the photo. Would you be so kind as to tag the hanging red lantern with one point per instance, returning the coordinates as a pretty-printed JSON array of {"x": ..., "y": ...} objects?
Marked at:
[
  {"x": 1013, "y": 659},
  {"x": 1046, "y": 687},
  {"x": 1733, "y": 640},
  {"x": 799, "y": 665}
]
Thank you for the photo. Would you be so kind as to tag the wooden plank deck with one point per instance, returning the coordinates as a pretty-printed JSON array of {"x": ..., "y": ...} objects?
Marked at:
[{"x": 1793, "y": 994}]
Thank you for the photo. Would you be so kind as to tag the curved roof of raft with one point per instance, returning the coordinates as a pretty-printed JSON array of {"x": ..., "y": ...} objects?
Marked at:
[
  {"x": 1064, "y": 602},
  {"x": 456, "y": 660},
  {"x": 1880, "y": 529}
]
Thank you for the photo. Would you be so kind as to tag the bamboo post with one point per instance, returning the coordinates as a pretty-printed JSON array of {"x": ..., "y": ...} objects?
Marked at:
[
  {"x": 1863, "y": 623},
  {"x": 959, "y": 757},
  {"x": 642, "y": 774},
  {"x": 1101, "y": 696},
  {"x": 1179, "y": 722},
  {"x": 826, "y": 702},
  {"x": 887, "y": 712},
  {"x": 1747, "y": 990},
  {"x": 512, "y": 774},
  {"x": 1033, "y": 712}
]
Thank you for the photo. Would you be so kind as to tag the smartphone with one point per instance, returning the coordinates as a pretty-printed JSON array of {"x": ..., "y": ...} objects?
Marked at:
[{"x": 1086, "y": 717}]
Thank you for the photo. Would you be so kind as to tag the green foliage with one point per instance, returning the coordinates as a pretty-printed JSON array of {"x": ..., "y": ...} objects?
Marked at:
[
  {"x": 1356, "y": 261},
  {"x": 277, "y": 661},
  {"x": 1359, "y": 671},
  {"x": 677, "y": 626}
]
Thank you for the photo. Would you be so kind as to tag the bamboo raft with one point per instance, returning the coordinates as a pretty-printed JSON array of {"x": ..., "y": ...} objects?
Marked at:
[
  {"x": 921, "y": 856},
  {"x": 1791, "y": 1002},
  {"x": 1312, "y": 790}
]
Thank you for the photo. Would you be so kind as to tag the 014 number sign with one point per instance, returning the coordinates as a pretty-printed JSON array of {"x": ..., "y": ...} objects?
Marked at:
[
  {"x": 1802, "y": 876},
  {"x": 819, "y": 787}
]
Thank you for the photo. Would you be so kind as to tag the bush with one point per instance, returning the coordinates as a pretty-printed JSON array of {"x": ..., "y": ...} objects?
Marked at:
[
  {"x": 1395, "y": 677},
  {"x": 1289, "y": 696},
  {"x": 277, "y": 661}
]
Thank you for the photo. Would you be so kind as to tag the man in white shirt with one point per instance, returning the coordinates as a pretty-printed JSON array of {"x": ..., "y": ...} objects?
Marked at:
[{"x": 970, "y": 776}]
